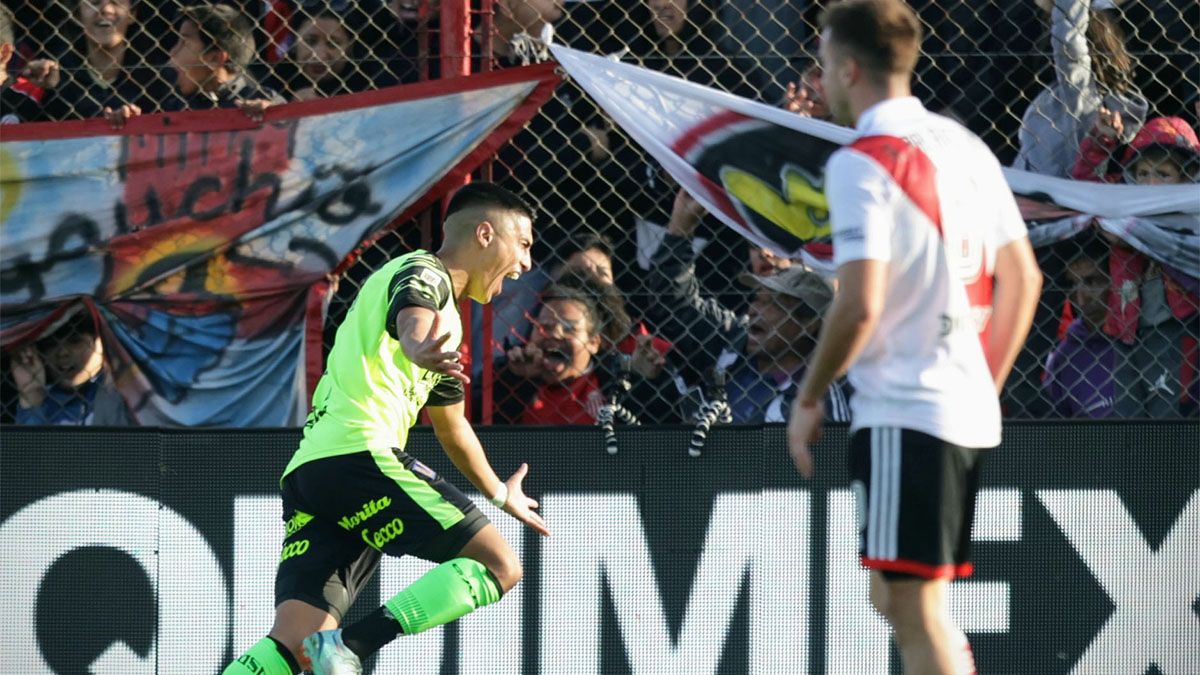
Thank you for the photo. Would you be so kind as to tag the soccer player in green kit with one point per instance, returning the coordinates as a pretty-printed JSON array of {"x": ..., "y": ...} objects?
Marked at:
[{"x": 351, "y": 494}]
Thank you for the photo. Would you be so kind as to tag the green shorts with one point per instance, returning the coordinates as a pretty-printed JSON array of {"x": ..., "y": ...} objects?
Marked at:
[{"x": 341, "y": 514}]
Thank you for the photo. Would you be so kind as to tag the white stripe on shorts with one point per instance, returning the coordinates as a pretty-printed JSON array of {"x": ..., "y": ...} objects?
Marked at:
[
  {"x": 893, "y": 524},
  {"x": 884, "y": 499},
  {"x": 873, "y": 498}
]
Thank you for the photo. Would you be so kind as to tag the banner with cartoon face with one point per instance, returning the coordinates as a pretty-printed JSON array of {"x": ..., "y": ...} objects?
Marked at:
[{"x": 760, "y": 169}]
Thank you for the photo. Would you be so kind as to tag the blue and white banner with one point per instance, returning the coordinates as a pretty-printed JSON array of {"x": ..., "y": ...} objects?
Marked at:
[{"x": 203, "y": 243}]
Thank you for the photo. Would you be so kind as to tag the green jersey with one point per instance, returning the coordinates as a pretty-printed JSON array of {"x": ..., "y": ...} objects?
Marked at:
[{"x": 371, "y": 394}]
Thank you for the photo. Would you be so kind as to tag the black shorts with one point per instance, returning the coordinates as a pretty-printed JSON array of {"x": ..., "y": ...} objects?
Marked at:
[
  {"x": 916, "y": 502},
  {"x": 341, "y": 514}
]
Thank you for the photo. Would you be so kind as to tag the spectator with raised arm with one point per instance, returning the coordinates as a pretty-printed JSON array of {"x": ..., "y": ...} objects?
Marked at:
[
  {"x": 1093, "y": 71},
  {"x": 213, "y": 48},
  {"x": 806, "y": 97},
  {"x": 765, "y": 351},
  {"x": 515, "y": 22},
  {"x": 1164, "y": 151},
  {"x": 678, "y": 38}
]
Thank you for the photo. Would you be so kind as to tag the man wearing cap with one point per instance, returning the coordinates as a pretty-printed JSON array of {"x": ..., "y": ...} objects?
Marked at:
[
  {"x": 763, "y": 352},
  {"x": 784, "y": 320}
]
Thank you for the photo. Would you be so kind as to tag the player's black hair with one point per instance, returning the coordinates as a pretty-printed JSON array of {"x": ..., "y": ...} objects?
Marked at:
[{"x": 487, "y": 195}]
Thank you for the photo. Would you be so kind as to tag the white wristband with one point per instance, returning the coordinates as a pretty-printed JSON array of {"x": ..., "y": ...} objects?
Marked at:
[{"x": 501, "y": 497}]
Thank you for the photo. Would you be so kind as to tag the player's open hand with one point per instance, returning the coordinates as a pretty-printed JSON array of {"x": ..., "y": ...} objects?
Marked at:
[
  {"x": 430, "y": 353},
  {"x": 804, "y": 427},
  {"x": 521, "y": 507}
]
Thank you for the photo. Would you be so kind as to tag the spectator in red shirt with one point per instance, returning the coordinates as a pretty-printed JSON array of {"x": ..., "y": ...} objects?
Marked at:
[
  {"x": 551, "y": 380},
  {"x": 20, "y": 99}
]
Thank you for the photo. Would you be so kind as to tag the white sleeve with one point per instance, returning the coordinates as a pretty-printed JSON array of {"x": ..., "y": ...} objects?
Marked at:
[
  {"x": 861, "y": 212},
  {"x": 1010, "y": 226}
]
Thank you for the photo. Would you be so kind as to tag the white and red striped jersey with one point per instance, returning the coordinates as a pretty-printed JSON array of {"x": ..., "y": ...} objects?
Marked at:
[{"x": 923, "y": 194}]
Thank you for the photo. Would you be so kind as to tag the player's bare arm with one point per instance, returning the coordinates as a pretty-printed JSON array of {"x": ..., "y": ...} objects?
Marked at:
[
  {"x": 424, "y": 344},
  {"x": 851, "y": 321},
  {"x": 454, "y": 432},
  {"x": 1018, "y": 285}
]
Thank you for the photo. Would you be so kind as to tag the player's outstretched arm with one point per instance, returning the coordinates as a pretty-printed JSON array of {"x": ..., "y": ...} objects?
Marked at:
[
  {"x": 454, "y": 432},
  {"x": 421, "y": 339},
  {"x": 1014, "y": 301}
]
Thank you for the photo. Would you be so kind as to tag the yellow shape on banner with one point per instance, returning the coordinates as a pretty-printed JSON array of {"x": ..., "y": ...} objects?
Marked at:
[
  {"x": 10, "y": 183},
  {"x": 801, "y": 210}
]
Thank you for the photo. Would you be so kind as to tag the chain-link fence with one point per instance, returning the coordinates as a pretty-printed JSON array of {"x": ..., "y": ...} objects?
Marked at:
[{"x": 630, "y": 285}]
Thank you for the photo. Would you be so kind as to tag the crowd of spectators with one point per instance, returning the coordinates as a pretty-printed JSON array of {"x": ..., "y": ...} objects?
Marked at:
[{"x": 637, "y": 284}]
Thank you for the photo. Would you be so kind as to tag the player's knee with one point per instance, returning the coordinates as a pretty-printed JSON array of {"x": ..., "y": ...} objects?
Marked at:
[
  {"x": 296, "y": 620},
  {"x": 507, "y": 570},
  {"x": 293, "y": 643}
]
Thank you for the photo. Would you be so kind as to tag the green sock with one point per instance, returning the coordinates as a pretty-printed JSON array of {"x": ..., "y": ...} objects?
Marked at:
[
  {"x": 444, "y": 594},
  {"x": 266, "y": 657}
]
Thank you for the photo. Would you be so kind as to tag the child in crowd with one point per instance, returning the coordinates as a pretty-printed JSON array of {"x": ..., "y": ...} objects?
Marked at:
[
  {"x": 1079, "y": 373},
  {"x": 103, "y": 71},
  {"x": 61, "y": 379},
  {"x": 321, "y": 63},
  {"x": 1152, "y": 307},
  {"x": 212, "y": 52},
  {"x": 553, "y": 379}
]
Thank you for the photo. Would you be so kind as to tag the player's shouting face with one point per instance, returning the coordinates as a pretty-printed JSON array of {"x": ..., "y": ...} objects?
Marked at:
[{"x": 506, "y": 239}]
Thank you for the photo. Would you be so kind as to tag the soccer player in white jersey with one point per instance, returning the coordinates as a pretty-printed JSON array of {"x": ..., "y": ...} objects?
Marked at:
[{"x": 937, "y": 288}]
